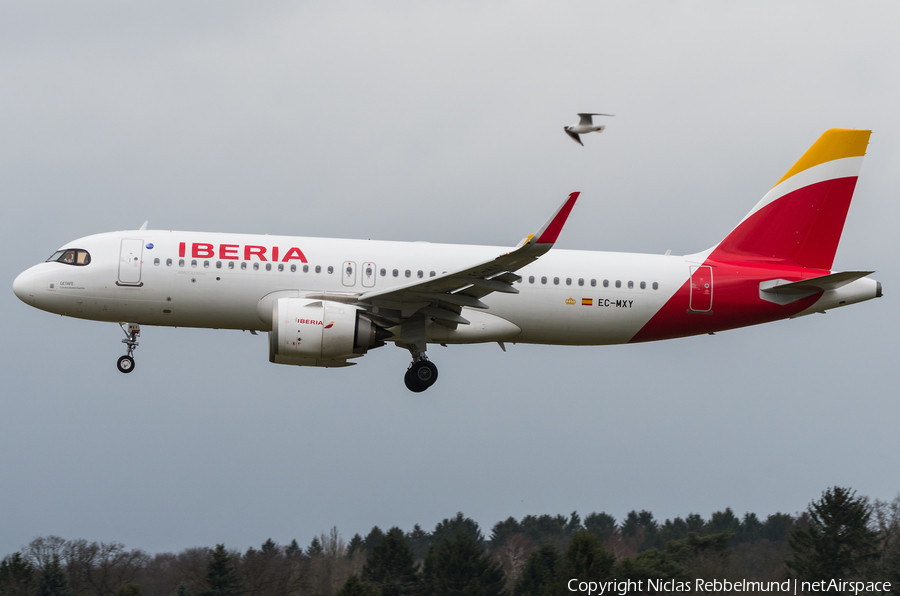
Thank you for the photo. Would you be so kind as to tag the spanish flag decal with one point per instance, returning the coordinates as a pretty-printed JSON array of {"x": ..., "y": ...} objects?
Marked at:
[{"x": 587, "y": 302}]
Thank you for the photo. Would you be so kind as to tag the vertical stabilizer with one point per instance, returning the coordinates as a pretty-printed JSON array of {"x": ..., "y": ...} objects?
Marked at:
[{"x": 801, "y": 219}]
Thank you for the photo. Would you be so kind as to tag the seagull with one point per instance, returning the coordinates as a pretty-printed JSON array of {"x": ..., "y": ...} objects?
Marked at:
[{"x": 585, "y": 125}]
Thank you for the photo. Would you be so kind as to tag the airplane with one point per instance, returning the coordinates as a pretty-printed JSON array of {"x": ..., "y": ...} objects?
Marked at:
[{"x": 326, "y": 302}]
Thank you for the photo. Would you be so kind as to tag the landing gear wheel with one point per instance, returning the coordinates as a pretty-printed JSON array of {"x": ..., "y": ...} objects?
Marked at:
[
  {"x": 412, "y": 383},
  {"x": 420, "y": 376},
  {"x": 125, "y": 364}
]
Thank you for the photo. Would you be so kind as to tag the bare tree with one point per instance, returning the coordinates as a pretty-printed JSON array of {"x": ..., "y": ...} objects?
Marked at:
[{"x": 512, "y": 554}]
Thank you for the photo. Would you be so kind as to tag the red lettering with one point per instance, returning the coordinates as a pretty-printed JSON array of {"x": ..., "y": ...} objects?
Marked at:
[
  {"x": 274, "y": 254},
  {"x": 201, "y": 250},
  {"x": 228, "y": 251},
  {"x": 181, "y": 249},
  {"x": 294, "y": 253},
  {"x": 259, "y": 251}
]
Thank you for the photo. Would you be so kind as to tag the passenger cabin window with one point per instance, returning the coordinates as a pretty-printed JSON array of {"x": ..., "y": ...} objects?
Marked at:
[
  {"x": 168, "y": 262},
  {"x": 555, "y": 281},
  {"x": 281, "y": 266},
  {"x": 383, "y": 272},
  {"x": 306, "y": 269},
  {"x": 643, "y": 285},
  {"x": 293, "y": 269},
  {"x": 330, "y": 270},
  {"x": 218, "y": 264},
  {"x": 318, "y": 269},
  {"x": 193, "y": 262},
  {"x": 593, "y": 283},
  {"x": 231, "y": 264},
  {"x": 206, "y": 264},
  {"x": 630, "y": 285},
  {"x": 531, "y": 279},
  {"x": 268, "y": 266},
  {"x": 605, "y": 283},
  {"x": 618, "y": 283},
  {"x": 580, "y": 281},
  {"x": 431, "y": 274},
  {"x": 543, "y": 280},
  {"x": 244, "y": 265},
  {"x": 395, "y": 273},
  {"x": 407, "y": 273},
  {"x": 256, "y": 266},
  {"x": 420, "y": 274},
  {"x": 568, "y": 281},
  {"x": 181, "y": 262},
  {"x": 72, "y": 256},
  {"x": 655, "y": 286},
  {"x": 156, "y": 261}
]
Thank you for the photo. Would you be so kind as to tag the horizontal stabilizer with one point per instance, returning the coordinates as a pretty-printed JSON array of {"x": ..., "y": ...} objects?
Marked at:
[{"x": 781, "y": 291}]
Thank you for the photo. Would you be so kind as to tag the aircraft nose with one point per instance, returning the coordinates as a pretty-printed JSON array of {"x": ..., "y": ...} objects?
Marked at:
[{"x": 23, "y": 286}]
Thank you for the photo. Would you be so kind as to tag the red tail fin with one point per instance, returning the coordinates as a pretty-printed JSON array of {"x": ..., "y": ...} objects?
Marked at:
[{"x": 801, "y": 219}]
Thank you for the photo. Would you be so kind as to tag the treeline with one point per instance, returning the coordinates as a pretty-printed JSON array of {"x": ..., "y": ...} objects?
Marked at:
[{"x": 840, "y": 536}]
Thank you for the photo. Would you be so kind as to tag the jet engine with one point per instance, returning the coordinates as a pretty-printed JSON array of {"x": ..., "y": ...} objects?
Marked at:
[{"x": 320, "y": 333}]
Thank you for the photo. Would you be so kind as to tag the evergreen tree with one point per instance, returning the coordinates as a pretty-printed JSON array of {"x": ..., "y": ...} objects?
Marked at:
[
  {"x": 373, "y": 539},
  {"x": 457, "y": 566},
  {"x": 723, "y": 521},
  {"x": 503, "y": 530},
  {"x": 448, "y": 528},
  {"x": 601, "y": 525},
  {"x": 17, "y": 576},
  {"x": 314, "y": 548},
  {"x": 390, "y": 568},
  {"x": 221, "y": 574},
  {"x": 574, "y": 524},
  {"x": 53, "y": 581},
  {"x": 695, "y": 524},
  {"x": 418, "y": 540},
  {"x": 129, "y": 590},
  {"x": 539, "y": 578},
  {"x": 672, "y": 530},
  {"x": 777, "y": 527},
  {"x": 354, "y": 545},
  {"x": 293, "y": 549},
  {"x": 750, "y": 529},
  {"x": 355, "y": 587},
  {"x": 651, "y": 564},
  {"x": 269, "y": 547},
  {"x": 642, "y": 528},
  {"x": 587, "y": 559},
  {"x": 837, "y": 542},
  {"x": 183, "y": 590}
]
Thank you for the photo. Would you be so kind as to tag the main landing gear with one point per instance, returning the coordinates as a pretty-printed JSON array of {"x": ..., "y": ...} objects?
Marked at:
[
  {"x": 422, "y": 373},
  {"x": 125, "y": 364}
]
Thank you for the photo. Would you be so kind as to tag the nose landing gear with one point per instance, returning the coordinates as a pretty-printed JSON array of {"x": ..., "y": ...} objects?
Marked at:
[{"x": 125, "y": 364}]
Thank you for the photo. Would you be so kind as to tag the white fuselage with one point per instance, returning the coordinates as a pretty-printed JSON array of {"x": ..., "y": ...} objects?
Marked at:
[{"x": 566, "y": 297}]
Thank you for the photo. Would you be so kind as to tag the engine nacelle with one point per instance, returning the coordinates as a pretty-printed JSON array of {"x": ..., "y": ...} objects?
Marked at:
[{"x": 320, "y": 333}]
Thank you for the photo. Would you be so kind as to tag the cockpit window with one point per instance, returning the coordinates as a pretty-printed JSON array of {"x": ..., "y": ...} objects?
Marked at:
[{"x": 72, "y": 256}]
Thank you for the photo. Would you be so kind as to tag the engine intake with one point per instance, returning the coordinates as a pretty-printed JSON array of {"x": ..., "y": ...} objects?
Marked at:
[{"x": 320, "y": 333}]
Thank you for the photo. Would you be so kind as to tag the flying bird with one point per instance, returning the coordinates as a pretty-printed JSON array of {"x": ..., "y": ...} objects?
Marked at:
[{"x": 585, "y": 125}]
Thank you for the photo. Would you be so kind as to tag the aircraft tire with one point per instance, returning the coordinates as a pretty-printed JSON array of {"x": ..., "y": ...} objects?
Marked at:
[
  {"x": 413, "y": 383},
  {"x": 125, "y": 364},
  {"x": 426, "y": 372}
]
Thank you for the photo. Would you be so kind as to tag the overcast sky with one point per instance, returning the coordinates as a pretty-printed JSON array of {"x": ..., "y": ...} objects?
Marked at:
[{"x": 441, "y": 122}]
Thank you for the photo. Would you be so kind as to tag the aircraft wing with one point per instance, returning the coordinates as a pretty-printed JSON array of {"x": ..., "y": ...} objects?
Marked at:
[{"x": 443, "y": 297}]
